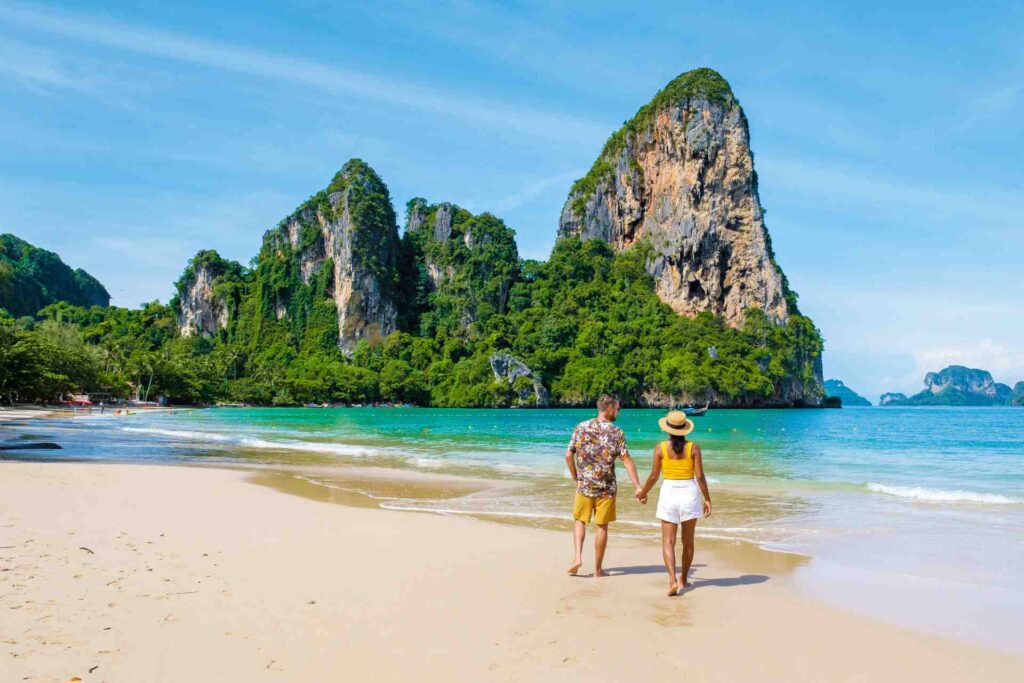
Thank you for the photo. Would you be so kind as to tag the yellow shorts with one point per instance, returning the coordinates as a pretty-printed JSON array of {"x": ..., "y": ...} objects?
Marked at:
[{"x": 601, "y": 509}]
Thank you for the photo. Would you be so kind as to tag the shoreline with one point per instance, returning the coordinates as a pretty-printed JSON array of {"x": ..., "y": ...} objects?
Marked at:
[
  {"x": 186, "y": 573},
  {"x": 849, "y": 567}
]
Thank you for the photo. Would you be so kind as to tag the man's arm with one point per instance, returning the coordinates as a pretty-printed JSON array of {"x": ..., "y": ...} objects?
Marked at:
[
  {"x": 570, "y": 460},
  {"x": 627, "y": 460}
]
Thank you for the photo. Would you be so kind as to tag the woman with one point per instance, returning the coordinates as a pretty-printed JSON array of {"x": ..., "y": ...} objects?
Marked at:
[{"x": 684, "y": 495}]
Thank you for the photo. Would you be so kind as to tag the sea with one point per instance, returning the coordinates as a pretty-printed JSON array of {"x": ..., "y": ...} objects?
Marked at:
[{"x": 898, "y": 510}]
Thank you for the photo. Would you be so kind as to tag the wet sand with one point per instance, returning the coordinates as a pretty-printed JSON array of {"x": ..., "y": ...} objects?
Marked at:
[{"x": 159, "y": 573}]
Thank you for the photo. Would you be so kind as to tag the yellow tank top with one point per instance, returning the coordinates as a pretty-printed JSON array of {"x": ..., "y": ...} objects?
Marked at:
[{"x": 677, "y": 468}]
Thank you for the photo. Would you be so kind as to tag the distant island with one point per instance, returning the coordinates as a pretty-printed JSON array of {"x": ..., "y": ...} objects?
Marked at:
[
  {"x": 849, "y": 397},
  {"x": 662, "y": 287},
  {"x": 957, "y": 385}
]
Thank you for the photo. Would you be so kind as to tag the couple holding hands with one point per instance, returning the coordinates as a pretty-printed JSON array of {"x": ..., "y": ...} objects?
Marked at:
[{"x": 593, "y": 449}]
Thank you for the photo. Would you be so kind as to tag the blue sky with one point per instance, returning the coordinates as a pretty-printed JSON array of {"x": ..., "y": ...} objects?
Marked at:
[{"x": 888, "y": 139}]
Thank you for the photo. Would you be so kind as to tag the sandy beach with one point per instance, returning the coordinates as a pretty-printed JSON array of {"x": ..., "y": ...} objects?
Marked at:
[{"x": 159, "y": 573}]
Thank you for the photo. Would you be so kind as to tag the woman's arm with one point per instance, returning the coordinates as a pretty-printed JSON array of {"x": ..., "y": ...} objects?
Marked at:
[
  {"x": 698, "y": 473},
  {"x": 652, "y": 479}
]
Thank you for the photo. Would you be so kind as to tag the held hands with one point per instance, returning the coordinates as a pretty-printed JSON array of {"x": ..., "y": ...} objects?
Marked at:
[{"x": 640, "y": 496}]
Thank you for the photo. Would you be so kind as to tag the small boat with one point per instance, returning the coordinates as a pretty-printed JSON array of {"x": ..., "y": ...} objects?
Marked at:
[{"x": 696, "y": 412}]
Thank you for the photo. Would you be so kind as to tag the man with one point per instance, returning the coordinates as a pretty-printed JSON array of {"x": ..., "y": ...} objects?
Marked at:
[{"x": 594, "y": 446}]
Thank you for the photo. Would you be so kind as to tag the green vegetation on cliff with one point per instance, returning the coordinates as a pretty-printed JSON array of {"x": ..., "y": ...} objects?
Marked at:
[
  {"x": 31, "y": 278},
  {"x": 586, "y": 321},
  {"x": 1017, "y": 399},
  {"x": 697, "y": 84},
  {"x": 957, "y": 385},
  {"x": 835, "y": 387}
]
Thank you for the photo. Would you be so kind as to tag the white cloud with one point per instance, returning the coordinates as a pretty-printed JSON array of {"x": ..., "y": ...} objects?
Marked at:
[
  {"x": 226, "y": 57},
  {"x": 43, "y": 70}
]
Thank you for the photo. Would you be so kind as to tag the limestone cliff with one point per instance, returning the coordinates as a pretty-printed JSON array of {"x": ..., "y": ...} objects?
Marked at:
[
  {"x": 849, "y": 397},
  {"x": 1017, "y": 399},
  {"x": 967, "y": 381},
  {"x": 892, "y": 399},
  {"x": 344, "y": 243},
  {"x": 458, "y": 261},
  {"x": 433, "y": 226},
  {"x": 957, "y": 385},
  {"x": 207, "y": 294},
  {"x": 680, "y": 176},
  {"x": 521, "y": 380}
]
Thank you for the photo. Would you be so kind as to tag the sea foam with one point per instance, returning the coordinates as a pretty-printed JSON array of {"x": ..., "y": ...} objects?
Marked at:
[
  {"x": 943, "y": 496},
  {"x": 249, "y": 442}
]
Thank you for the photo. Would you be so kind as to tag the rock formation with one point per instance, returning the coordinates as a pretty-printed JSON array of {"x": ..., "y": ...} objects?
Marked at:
[
  {"x": 32, "y": 278},
  {"x": 350, "y": 228},
  {"x": 1018, "y": 394},
  {"x": 521, "y": 380},
  {"x": 471, "y": 261},
  {"x": 969, "y": 381},
  {"x": 433, "y": 226},
  {"x": 891, "y": 399},
  {"x": 680, "y": 177},
  {"x": 207, "y": 294},
  {"x": 957, "y": 385},
  {"x": 450, "y": 239},
  {"x": 835, "y": 387}
]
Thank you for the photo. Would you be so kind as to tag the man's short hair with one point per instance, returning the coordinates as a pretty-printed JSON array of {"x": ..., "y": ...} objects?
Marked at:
[{"x": 607, "y": 401}]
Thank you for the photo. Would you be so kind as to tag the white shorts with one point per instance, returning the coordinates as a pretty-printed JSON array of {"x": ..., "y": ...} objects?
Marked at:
[{"x": 680, "y": 500}]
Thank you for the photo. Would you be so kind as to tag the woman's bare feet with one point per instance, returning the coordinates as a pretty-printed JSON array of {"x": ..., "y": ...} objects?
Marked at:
[
  {"x": 598, "y": 573},
  {"x": 575, "y": 566},
  {"x": 672, "y": 589}
]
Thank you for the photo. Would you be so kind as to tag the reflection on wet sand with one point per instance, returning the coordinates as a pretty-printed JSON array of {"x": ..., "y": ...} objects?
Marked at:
[{"x": 517, "y": 503}]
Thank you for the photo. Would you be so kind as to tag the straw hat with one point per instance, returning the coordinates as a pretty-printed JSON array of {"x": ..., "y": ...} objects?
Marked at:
[{"x": 676, "y": 423}]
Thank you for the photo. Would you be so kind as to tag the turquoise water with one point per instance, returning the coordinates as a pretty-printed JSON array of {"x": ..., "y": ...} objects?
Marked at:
[
  {"x": 786, "y": 479},
  {"x": 941, "y": 454}
]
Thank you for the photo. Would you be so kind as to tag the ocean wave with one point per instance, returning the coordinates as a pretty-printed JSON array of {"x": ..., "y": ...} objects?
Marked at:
[
  {"x": 429, "y": 463},
  {"x": 180, "y": 434},
  {"x": 942, "y": 496},
  {"x": 308, "y": 446},
  {"x": 249, "y": 442}
]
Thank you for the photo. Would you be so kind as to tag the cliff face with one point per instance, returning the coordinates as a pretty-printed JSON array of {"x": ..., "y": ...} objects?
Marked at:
[
  {"x": 207, "y": 294},
  {"x": 1018, "y": 394},
  {"x": 957, "y": 385},
  {"x": 521, "y": 380},
  {"x": 836, "y": 387},
  {"x": 968, "y": 381},
  {"x": 432, "y": 226},
  {"x": 32, "y": 278},
  {"x": 680, "y": 175},
  {"x": 346, "y": 239},
  {"x": 891, "y": 398},
  {"x": 458, "y": 261}
]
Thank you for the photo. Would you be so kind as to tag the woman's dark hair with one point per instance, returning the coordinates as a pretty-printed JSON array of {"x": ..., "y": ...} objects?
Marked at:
[{"x": 678, "y": 442}]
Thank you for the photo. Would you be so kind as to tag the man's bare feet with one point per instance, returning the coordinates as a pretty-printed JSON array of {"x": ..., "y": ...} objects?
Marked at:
[
  {"x": 575, "y": 566},
  {"x": 598, "y": 573},
  {"x": 672, "y": 589}
]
